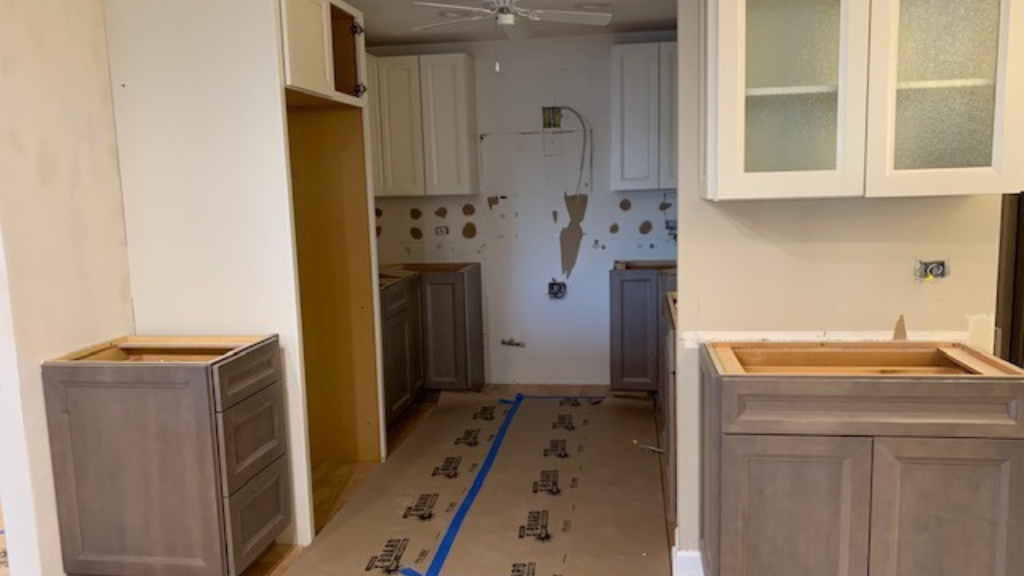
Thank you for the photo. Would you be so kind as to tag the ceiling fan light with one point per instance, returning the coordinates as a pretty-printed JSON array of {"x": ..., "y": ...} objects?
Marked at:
[{"x": 505, "y": 19}]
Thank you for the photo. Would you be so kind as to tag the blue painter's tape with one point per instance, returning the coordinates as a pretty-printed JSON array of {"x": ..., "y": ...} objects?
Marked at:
[
  {"x": 460, "y": 516},
  {"x": 506, "y": 401}
]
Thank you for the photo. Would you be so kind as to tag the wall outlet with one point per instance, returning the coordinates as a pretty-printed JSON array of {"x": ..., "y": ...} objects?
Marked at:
[
  {"x": 441, "y": 231},
  {"x": 928, "y": 270}
]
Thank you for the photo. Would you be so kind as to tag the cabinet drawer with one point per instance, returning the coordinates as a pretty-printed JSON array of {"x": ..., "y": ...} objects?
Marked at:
[
  {"x": 256, "y": 514},
  {"x": 238, "y": 377},
  {"x": 395, "y": 298},
  {"x": 251, "y": 436},
  {"x": 872, "y": 407}
]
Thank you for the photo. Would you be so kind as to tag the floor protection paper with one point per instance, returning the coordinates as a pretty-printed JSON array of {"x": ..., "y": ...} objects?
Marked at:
[{"x": 524, "y": 486}]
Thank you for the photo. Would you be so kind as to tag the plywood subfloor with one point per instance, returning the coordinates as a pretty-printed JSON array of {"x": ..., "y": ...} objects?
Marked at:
[{"x": 607, "y": 518}]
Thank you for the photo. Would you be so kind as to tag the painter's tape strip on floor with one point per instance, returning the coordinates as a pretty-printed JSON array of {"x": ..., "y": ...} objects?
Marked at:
[{"x": 453, "y": 530}]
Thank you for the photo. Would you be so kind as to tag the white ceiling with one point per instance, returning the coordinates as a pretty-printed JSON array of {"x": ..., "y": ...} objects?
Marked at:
[{"x": 390, "y": 22}]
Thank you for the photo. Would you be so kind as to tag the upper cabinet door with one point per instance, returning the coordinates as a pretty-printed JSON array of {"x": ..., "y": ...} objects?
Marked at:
[
  {"x": 307, "y": 57},
  {"x": 635, "y": 116},
  {"x": 324, "y": 47},
  {"x": 401, "y": 128},
  {"x": 946, "y": 97},
  {"x": 787, "y": 98},
  {"x": 449, "y": 124},
  {"x": 668, "y": 165}
]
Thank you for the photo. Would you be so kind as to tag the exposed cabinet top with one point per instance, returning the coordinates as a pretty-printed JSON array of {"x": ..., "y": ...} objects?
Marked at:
[
  {"x": 164, "y": 349},
  {"x": 860, "y": 359}
]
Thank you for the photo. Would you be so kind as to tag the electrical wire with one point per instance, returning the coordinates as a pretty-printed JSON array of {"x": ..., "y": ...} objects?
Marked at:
[{"x": 587, "y": 146}]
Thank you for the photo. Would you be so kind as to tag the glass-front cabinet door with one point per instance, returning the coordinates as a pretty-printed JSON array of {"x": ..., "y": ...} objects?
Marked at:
[
  {"x": 944, "y": 116},
  {"x": 791, "y": 97}
]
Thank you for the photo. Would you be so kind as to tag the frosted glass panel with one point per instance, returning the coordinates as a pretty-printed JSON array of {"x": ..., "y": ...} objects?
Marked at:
[
  {"x": 790, "y": 133},
  {"x": 945, "y": 91},
  {"x": 792, "y": 81}
]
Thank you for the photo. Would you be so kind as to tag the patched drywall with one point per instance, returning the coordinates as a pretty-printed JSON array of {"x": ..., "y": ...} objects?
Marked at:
[
  {"x": 529, "y": 223},
  {"x": 64, "y": 266}
]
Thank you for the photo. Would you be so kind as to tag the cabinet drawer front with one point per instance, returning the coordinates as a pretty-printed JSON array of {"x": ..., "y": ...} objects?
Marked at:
[
  {"x": 878, "y": 407},
  {"x": 241, "y": 376},
  {"x": 256, "y": 515},
  {"x": 251, "y": 435},
  {"x": 395, "y": 298}
]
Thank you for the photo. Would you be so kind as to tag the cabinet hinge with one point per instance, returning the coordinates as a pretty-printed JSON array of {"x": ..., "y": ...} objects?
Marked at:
[
  {"x": 360, "y": 90},
  {"x": 358, "y": 29}
]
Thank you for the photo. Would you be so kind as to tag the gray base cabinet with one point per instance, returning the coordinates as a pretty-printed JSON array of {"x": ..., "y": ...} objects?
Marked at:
[
  {"x": 812, "y": 468},
  {"x": 402, "y": 344},
  {"x": 640, "y": 323},
  {"x": 452, "y": 323},
  {"x": 169, "y": 455}
]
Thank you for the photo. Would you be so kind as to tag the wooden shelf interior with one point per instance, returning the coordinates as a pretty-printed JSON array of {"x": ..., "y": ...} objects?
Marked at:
[
  {"x": 158, "y": 349},
  {"x": 858, "y": 359}
]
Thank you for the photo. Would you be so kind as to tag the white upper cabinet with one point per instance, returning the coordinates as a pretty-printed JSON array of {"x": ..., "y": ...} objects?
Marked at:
[
  {"x": 447, "y": 86},
  {"x": 423, "y": 120},
  {"x": 947, "y": 105},
  {"x": 324, "y": 49},
  {"x": 644, "y": 116},
  {"x": 786, "y": 98},
  {"x": 789, "y": 113}
]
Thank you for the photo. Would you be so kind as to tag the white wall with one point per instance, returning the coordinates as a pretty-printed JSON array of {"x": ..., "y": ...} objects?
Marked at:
[
  {"x": 200, "y": 122},
  {"x": 64, "y": 268},
  {"x": 517, "y": 240},
  {"x": 820, "y": 269}
]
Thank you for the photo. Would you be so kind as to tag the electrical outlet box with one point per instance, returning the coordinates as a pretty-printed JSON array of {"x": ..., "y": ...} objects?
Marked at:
[
  {"x": 441, "y": 231},
  {"x": 931, "y": 269}
]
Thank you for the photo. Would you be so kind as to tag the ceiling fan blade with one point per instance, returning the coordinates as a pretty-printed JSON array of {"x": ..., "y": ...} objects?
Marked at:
[
  {"x": 565, "y": 17},
  {"x": 447, "y": 22},
  {"x": 475, "y": 9}
]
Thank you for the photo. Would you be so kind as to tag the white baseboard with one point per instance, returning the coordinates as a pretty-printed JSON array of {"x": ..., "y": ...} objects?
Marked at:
[{"x": 687, "y": 563}]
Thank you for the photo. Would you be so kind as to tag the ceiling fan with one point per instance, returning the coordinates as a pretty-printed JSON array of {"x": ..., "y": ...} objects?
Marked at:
[{"x": 505, "y": 12}]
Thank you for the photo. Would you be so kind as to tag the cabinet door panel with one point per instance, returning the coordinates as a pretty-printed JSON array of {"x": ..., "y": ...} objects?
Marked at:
[
  {"x": 635, "y": 329},
  {"x": 307, "y": 64},
  {"x": 397, "y": 364},
  {"x": 945, "y": 116},
  {"x": 445, "y": 331},
  {"x": 635, "y": 112},
  {"x": 795, "y": 506},
  {"x": 449, "y": 123},
  {"x": 790, "y": 96},
  {"x": 947, "y": 507},
  {"x": 668, "y": 172},
  {"x": 401, "y": 126},
  {"x": 373, "y": 109}
]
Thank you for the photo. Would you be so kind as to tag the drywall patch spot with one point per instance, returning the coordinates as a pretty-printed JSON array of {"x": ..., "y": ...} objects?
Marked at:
[
  {"x": 379, "y": 212},
  {"x": 469, "y": 230},
  {"x": 625, "y": 205},
  {"x": 613, "y": 229},
  {"x": 415, "y": 213},
  {"x": 408, "y": 250},
  {"x": 441, "y": 212},
  {"x": 469, "y": 209},
  {"x": 493, "y": 201},
  {"x": 572, "y": 235},
  {"x": 379, "y": 230},
  {"x": 416, "y": 233},
  {"x": 554, "y": 216},
  {"x": 664, "y": 206},
  {"x": 646, "y": 227}
]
